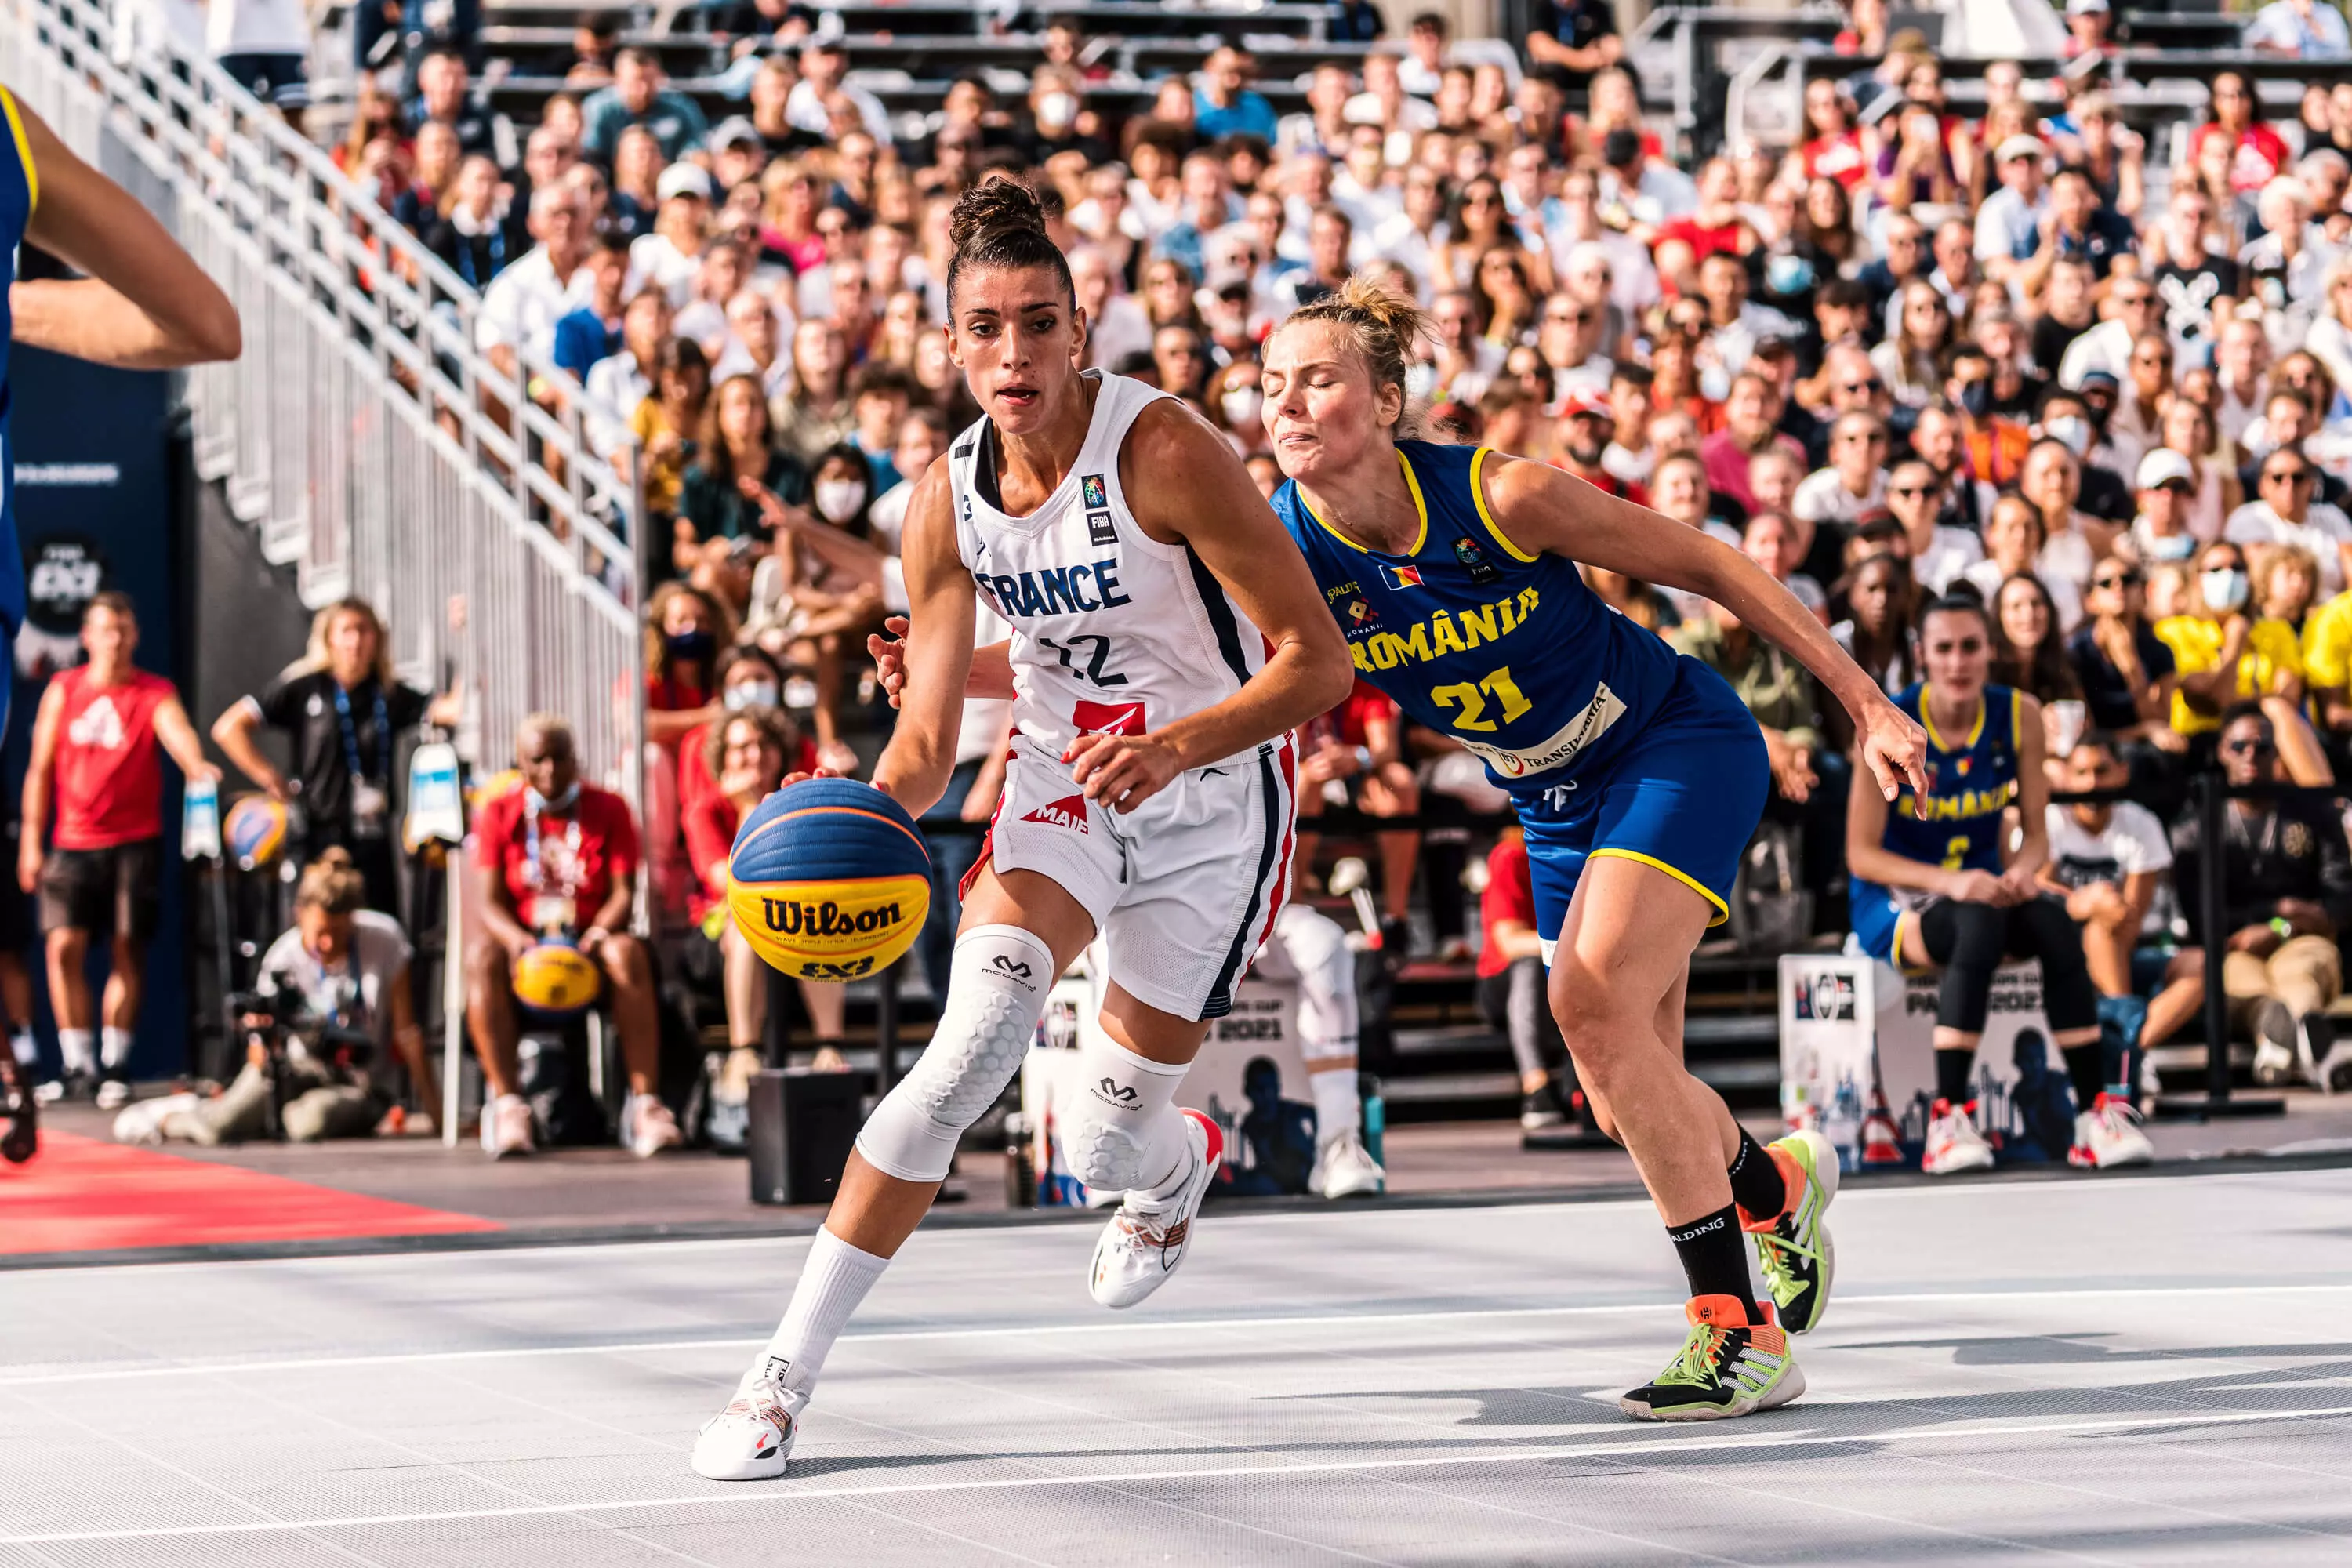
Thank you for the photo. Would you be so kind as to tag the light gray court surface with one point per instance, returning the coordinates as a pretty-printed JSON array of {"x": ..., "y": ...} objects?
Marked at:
[{"x": 2112, "y": 1370}]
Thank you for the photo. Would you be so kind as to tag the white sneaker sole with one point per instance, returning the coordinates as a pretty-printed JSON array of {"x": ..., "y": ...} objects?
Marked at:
[
  {"x": 1791, "y": 1385},
  {"x": 1975, "y": 1159},
  {"x": 734, "y": 1464},
  {"x": 1208, "y": 1155}
]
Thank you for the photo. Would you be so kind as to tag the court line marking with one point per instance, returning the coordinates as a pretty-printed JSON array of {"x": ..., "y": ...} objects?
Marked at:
[
  {"x": 1115, "y": 1326},
  {"x": 1941, "y": 1432}
]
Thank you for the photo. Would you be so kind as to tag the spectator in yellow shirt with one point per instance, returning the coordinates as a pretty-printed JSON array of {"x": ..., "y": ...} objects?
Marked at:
[
  {"x": 2327, "y": 661},
  {"x": 2223, "y": 655}
]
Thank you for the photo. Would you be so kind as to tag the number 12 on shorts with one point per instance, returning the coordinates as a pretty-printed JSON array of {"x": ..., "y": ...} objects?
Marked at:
[{"x": 1467, "y": 697}]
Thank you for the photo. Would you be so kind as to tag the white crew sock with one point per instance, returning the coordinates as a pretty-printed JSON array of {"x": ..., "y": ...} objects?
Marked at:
[
  {"x": 1337, "y": 1108},
  {"x": 78, "y": 1048},
  {"x": 26, "y": 1050},
  {"x": 114, "y": 1047},
  {"x": 832, "y": 1282}
]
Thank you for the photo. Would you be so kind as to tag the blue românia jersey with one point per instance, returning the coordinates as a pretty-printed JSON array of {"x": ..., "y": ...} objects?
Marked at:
[
  {"x": 1508, "y": 652},
  {"x": 1971, "y": 779}
]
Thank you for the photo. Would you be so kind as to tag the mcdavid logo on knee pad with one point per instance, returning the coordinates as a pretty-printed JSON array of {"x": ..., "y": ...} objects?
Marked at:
[
  {"x": 1013, "y": 969},
  {"x": 1114, "y": 1094}
]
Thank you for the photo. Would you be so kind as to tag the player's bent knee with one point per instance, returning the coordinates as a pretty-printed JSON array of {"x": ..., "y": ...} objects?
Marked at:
[{"x": 996, "y": 992}]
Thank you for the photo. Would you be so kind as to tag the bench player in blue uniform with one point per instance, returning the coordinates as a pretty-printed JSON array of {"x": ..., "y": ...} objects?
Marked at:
[
  {"x": 1638, "y": 775},
  {"x": 1936, "y": 889},
  {"x": 144, "y": 305}
]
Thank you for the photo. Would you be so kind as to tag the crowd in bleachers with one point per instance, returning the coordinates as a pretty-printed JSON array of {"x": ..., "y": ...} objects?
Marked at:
[{"x": 2016, "y": 352}]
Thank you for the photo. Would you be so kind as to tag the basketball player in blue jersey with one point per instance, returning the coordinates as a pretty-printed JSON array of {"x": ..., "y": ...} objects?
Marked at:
[
  {"x": 1935, "y": 887},
  {"x": 1638, "y": 776},
  {"x": 145, "y": 305}
]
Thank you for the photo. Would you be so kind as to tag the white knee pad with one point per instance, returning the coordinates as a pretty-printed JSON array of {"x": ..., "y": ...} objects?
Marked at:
[
  {"x": 1318, "y": 956},
  {"x": 1123, "y": 1132},
  {"x": 996, "y": 992}
]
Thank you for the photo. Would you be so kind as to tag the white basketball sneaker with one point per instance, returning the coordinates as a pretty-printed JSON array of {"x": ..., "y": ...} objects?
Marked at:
[
  {"x": 1147, "y": 1238},
  {"x": 506, "y": 1127},
  {"x": 2108, "y": 1135},
  {"x": 1954, "y": 1144},
  {"x": 1344, "y": 1168},
  {"x": 752, "y": 1438},
  {"x": 648, "y": 1127}
]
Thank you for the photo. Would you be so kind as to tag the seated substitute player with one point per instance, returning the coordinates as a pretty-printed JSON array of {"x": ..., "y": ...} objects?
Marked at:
[
  {"x": 1638, "y": 775},
  {"x": 1934, "y": 888},
  {"x": 559, "y": 859},
  {"x": 1165, "y": 642}
]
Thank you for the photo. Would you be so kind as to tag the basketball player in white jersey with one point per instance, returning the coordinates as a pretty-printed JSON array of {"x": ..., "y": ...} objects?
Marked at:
[{"x": 1166, "y": 640}]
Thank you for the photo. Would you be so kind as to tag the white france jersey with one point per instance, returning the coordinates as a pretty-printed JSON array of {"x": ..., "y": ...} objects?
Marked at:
[{"x": 1113, "y": 632}]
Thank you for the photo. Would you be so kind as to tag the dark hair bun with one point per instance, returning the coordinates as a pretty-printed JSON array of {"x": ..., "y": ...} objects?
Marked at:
[{"x": 998, "y": 206}]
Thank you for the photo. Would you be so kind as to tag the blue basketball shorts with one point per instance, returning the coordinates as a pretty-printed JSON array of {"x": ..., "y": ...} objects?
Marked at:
[{"x": 1684, "y": 797}]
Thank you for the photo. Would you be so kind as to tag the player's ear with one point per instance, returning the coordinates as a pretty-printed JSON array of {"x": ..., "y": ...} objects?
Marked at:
[
  {"x": 955, "y": 353},
  {"x": 1078, "y": 329},
  {"x": 1391, "y": 403}
]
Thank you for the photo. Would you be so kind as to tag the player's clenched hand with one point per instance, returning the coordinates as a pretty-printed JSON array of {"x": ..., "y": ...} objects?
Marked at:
[
  {"x": 1893, "y": 746},
  {"x": 1122, "y": 771},
  {"x": 889, "y": 647}
]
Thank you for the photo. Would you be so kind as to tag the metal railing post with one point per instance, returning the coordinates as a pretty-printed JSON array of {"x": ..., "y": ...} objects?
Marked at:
[{"x": 2213, "y": 906}]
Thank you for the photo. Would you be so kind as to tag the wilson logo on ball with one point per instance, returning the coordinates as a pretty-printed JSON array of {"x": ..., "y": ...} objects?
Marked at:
[
  {"x": 828, "y": 918},
  {"x": 829, "y": 880}
]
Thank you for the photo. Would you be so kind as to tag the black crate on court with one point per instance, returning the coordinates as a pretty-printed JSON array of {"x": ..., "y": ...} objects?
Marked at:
[{"x": 803, "y": 1124}]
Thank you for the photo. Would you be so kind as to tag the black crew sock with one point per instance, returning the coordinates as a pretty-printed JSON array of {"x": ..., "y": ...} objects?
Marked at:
[
  {"x": 2086, "y": 1066},
  {"x": 1757, "y": 1185},
  {"x": 1952, "y": 1075},
  {"x": 1714, "y": 1252}
]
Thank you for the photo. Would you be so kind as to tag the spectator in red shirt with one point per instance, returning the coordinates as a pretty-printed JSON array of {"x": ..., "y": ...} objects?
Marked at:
[
  {"x": 1511, "y": 990},
  {"x": 2257, "y": 153},
  {"x": 558, "y": 858},
  {"x": 1716, "y": 226},
  {"x": 1362, "y": 743},
  {"x": 746, "y": 756},
  {"x": 94, "y": 754}
]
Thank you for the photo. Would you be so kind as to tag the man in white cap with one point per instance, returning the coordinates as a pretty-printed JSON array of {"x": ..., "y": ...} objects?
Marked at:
[
  {"x": 2008, "y": 225},
  {"x": 2167, "y": 482},
  {"x": 671, "y": 256},
  {"x": 2089, "y": 25}
]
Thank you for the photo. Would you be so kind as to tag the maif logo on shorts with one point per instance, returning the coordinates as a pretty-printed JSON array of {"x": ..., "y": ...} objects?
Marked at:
[{"x": 1068, "y": 812}]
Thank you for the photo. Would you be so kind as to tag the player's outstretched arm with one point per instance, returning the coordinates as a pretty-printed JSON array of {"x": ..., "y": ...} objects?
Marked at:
[
  {"x": 1186, "y": 486},
  {"x": 916, "y": 766},
  {"x": 146, "y": 305},
  {"x": 1538, "y": 507}
]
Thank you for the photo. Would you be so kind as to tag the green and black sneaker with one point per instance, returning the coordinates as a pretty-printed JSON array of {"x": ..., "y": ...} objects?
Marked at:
[
  {"x": 1792, "y": 1248},
  {"x": 1729, "y": 1366}
]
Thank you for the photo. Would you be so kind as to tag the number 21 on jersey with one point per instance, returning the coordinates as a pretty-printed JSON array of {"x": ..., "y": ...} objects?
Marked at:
[{"x": 1471, "y": 697}]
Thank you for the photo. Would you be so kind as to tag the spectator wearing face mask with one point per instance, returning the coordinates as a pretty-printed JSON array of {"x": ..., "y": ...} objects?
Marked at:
[{"x": 2225, "y": 654}]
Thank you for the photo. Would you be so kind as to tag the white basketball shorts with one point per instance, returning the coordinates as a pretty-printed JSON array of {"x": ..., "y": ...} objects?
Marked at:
[{"x": 1184, "y": 889}]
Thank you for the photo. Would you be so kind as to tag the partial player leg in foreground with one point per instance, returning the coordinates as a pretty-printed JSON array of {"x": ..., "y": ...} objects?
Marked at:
[{"x": 1020, "y": 931}]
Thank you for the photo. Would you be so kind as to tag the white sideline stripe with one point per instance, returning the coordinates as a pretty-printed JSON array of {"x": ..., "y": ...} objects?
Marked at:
[
  {"x": 753, "y": 1493},
  {"x": 1114, "y": 1326}
]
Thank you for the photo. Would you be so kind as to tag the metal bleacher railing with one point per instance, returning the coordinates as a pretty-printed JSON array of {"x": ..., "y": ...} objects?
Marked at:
[{"x": 364, "y": 435}]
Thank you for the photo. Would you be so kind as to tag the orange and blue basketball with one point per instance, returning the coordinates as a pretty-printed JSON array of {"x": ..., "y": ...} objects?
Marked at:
[
  {"x": 254, "y": 832},
  {"x": 556, "y": 980},
  {"x": 829, "y": 880}
]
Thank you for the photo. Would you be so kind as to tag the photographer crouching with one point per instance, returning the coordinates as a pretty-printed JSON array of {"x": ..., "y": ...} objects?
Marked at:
[{"x": 331, "y": 998}]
